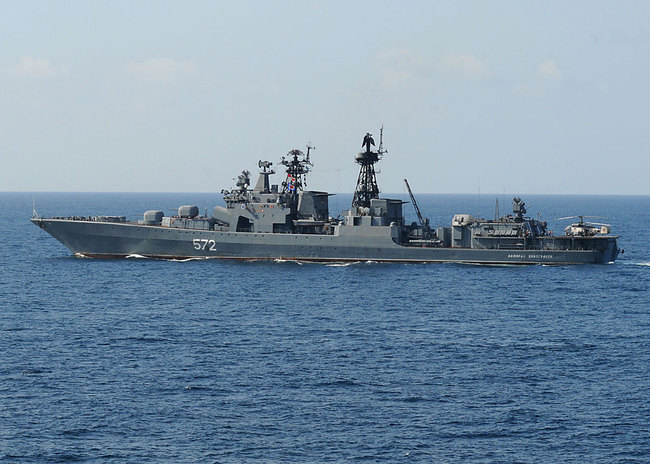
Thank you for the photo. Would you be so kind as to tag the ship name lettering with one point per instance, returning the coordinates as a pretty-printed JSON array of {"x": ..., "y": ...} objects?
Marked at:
[{"x": 530, "y": 256}]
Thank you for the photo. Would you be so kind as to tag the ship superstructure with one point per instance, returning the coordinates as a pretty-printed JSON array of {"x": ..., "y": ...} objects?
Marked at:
[{"x": 287, "y": 221}]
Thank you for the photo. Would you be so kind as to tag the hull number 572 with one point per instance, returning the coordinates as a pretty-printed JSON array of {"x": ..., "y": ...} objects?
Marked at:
[{"x": 204, "y": 244}]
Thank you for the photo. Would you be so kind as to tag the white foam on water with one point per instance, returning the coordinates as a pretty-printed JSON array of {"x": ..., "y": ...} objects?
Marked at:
[
  {"x": 135, "y": 255},
  {"x": 281, "y": 260}
]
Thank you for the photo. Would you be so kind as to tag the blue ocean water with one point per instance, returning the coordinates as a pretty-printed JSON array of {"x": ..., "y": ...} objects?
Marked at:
[{"x": 142, "y": 360}]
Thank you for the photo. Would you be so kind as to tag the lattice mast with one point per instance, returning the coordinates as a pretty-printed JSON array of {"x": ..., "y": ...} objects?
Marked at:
[
  {"x": 297, "y": 166},
  {"x": 367, "y": 187}
]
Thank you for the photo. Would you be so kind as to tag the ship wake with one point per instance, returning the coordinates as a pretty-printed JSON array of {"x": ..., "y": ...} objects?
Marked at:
[{"x": 638, "y": 263}]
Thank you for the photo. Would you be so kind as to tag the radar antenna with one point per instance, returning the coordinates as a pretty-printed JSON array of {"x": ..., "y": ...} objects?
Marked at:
[
  {"x": 519, "y": 209},
  {"x": 298, "y": 166},
  {"x": 367, "y": 187},
  {"x": 244, "y": 180},
  {"x": 266, "y": 170}
]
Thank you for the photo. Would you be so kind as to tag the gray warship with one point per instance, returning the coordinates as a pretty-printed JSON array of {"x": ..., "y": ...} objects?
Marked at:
[{"x": 286, "y": 222}]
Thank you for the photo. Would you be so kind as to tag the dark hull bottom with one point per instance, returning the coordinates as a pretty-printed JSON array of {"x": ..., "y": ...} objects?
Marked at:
[{"x": 109, "y": 240}]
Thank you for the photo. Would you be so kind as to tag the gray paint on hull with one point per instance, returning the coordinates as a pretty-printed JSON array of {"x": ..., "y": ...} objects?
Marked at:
[{"x": 103, "y": 239}]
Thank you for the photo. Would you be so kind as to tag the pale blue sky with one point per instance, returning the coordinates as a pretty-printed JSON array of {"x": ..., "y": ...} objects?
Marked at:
[{"x": 521, "y": 97}]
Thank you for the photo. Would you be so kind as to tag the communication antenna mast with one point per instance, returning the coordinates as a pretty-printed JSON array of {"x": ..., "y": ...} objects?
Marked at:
[{"x": 381, "y": 142}]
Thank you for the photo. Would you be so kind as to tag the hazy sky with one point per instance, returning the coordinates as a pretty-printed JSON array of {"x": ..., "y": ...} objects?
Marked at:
[{"x": 521, "y": 97}]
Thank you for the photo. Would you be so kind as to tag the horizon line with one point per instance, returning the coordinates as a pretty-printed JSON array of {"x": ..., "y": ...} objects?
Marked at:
[{"x": 337, "y": 193}]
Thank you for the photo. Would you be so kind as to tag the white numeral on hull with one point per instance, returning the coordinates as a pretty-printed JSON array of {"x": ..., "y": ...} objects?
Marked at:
[{"x": 204, "y": 243}]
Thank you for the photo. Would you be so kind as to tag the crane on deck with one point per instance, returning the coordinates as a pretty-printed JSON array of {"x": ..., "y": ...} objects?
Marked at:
[{"x": 424, "y": 222}]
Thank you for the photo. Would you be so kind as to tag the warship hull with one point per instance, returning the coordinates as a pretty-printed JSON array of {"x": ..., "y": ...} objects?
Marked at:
[
  {"x": 286, "y": 222},
  {"x": 344, "y": 244}
]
